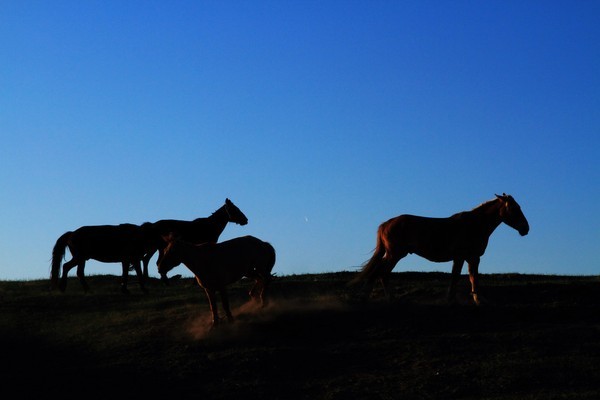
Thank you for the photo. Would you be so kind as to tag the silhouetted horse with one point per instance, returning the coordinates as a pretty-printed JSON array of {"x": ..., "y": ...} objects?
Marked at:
[
  {"x": 217, "y": 265},
  {"x": 200, "y": 230},
  {"x": 125, "y": 243},
  {"x": 461, "y": 237}
]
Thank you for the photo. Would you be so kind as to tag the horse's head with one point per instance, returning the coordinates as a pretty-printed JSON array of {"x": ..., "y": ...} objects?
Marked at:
[
  {"x": 511, "y": 214},
  {"x": 234, "y": 214},
  {"x": 170, "y": 257}
]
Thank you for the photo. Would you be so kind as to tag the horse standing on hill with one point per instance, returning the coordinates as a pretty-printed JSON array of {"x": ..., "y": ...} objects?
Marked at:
[
  {"x": 125, "y": 243},
  {"x": 217, "y": 265},
  {"x": 200, "y": 230},
  {"x": 461, "y": 237}
]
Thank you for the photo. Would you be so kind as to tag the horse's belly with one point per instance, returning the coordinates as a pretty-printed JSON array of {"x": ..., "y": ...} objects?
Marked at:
[
  {"x": 448, "y": 253},
  {"x": 116, "y": 256},
  {"x": 436, "y": 256}
]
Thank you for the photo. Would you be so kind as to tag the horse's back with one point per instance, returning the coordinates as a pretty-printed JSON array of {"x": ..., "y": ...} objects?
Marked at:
[
  {"x": 108, "y": 232},
  {"x": 108, "y": 243},
  {"x": 199, "y": 230},
  {"x": 248, "y": 242},
  {"x": 245, "y": 249},
  {"x": 407, "y": 226}
]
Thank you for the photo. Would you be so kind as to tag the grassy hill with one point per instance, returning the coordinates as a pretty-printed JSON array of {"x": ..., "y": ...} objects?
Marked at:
[{"x": 537, "y": 337}]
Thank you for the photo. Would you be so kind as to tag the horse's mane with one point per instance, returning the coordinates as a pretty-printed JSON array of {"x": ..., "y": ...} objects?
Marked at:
[
  {"x": 484, "y": 204},
  {"x": 220, "y": 209},
  {"x": 480, "y": 207}
]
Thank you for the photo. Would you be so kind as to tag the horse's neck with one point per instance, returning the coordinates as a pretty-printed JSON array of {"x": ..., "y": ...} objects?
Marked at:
[
  {"x": 218, "y": 220},
  {"x": 489, "y": 216}
]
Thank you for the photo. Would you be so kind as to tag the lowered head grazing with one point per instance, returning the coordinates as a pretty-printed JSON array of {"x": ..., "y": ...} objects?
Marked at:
[{"x": 170, "y": 258}]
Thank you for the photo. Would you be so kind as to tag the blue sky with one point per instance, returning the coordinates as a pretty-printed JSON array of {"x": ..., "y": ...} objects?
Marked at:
[{"x": 318, "y": 119}]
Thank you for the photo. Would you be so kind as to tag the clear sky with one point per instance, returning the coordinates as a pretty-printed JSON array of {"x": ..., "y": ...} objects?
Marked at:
[{"x": 318, "y": 119}]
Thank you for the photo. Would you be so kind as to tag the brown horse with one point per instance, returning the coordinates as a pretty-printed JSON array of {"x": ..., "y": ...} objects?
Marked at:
[
  {"x": 125, "y": 243},
  {"x": 217, "y": 265},
  {"x": 200, "y": 230},
  {"x": 461, "y": 237}
]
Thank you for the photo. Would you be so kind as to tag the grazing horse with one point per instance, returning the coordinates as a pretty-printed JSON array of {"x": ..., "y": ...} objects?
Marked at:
[
  {"x": 461, "y": 237},
  {"x": 217, "y": 265},
  {"x": 125, "y": 243},
  {"x": 200, "y": 230}
]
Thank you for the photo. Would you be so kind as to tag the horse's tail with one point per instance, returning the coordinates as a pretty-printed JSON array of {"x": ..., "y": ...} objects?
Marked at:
[
  {"x": 370, "y": 270},
  {"x": 271, "y": 259},
  {"x": 58, "y": 253}
]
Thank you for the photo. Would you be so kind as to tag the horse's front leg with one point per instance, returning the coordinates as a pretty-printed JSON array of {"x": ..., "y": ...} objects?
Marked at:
[
  {"x": 457, "y": 266},
  {"x": 146, "y": 261},
  {"x": 212, "y": 302},
  {"x": 474, "y": 278}
]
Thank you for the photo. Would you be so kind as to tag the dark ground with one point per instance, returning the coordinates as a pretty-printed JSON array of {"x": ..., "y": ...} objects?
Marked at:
[{"x": 537, "y": 337}]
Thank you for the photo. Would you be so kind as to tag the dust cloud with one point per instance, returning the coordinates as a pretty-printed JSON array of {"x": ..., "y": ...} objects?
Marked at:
[{"x": 251, "y": 314}]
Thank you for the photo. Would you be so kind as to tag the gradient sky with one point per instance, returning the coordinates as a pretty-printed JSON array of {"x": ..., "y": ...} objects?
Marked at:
[{"x": 318, "y": 119}]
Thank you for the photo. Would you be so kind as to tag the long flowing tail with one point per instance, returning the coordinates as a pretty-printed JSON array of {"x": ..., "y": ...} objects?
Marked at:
[
  {"x": 58, "y": 253},
  {"x": 370, "y": 270},
  {"x": 272, "y": 258}
]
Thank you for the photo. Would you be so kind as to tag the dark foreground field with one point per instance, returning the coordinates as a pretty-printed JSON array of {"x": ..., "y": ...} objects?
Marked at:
[{"x": 538, "y": 337}]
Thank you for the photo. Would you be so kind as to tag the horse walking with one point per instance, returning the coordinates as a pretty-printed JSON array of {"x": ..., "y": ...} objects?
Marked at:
[
  {"x": 461, "y": 237},
  {"x": 125, "y": 243},
  {"x": 200, "y": 230},
  {"x": 217, "y": 265}
]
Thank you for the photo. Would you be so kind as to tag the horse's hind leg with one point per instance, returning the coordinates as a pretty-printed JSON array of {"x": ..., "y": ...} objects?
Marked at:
[
  {"x": 81, "y": 276},
  {"x": 254, "y": 292},
  {"x": 66, "y": 268},
  {"x": 264, "y": 301},
  {"x": 141, "y": 277},
  {"x": 225, "y": 301},
  {"x": 389, "y": 263}
]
